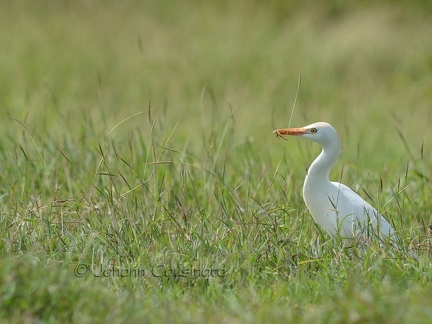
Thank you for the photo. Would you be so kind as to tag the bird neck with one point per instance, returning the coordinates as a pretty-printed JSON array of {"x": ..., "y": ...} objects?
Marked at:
[{"x": 320, "y": 168}]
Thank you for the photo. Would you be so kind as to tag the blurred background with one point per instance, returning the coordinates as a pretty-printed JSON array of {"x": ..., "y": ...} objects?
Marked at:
[{"x": 69, "y": 68}]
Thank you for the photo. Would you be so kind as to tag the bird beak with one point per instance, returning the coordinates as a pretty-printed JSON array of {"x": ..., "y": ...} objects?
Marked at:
[{"x": 282, "y": 132}]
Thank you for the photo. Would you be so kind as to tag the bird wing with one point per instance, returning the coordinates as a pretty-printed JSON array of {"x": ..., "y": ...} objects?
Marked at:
[{"x": 365, "y": 217}]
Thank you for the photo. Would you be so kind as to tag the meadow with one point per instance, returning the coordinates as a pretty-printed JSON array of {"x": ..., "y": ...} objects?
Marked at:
[{"x": 141, "y": 182}]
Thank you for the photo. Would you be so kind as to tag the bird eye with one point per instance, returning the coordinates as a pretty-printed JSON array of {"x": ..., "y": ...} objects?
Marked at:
[{"x": 313, "y": 130}]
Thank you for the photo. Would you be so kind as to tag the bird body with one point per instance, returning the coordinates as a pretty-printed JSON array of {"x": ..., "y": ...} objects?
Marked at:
[{"x": 334, "y": 206}]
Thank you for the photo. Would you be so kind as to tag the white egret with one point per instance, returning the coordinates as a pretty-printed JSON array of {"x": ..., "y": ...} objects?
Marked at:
[{"x": 334, "y": 206}]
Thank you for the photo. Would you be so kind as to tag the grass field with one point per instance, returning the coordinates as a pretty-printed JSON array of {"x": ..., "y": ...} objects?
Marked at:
[{"x": 141, "y": 182}]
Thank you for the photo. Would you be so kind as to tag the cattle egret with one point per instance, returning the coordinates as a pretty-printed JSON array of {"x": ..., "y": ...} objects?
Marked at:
[{"x": 334, "y": 206}]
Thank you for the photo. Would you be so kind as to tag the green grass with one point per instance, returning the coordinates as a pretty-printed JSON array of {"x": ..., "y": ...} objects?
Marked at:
[{"x": 141, "y": 182}]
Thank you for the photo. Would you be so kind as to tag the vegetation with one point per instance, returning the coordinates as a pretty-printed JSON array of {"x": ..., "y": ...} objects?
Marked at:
[{"x": 140, "y": 179}]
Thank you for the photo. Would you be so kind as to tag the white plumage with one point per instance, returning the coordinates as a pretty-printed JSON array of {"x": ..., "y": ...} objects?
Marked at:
[{"x": 334, "y": 206}]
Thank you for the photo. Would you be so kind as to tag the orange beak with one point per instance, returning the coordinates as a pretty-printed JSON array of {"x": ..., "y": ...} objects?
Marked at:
[{"x": 282, "y": 132}]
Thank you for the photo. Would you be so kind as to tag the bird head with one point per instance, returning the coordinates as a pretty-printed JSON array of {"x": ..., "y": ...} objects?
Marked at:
[{"x": 321, "y": 133}]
